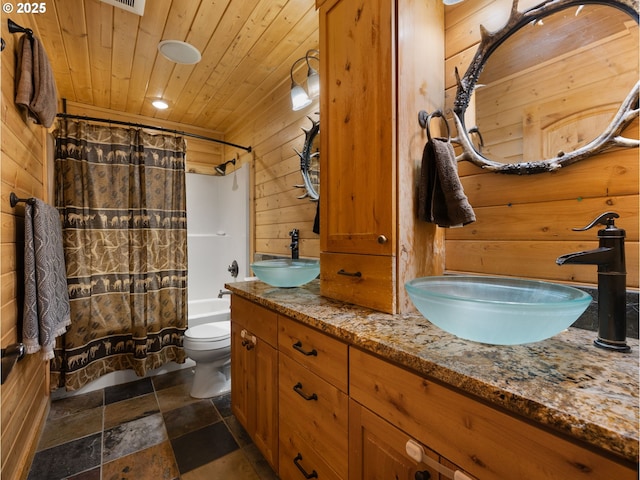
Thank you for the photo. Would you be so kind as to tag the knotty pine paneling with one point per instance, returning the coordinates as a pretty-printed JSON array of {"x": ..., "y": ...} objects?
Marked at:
[
  {"x": 274, "y": 130},
  {"x": 524, "y": 223},
  {"x": 24, "y": 397}
]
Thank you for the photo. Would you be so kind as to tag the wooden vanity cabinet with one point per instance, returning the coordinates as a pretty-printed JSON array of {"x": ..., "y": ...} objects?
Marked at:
[
  {"x": 254, "y": 374},
  {"x": 485, "y": 442},
  {"x": 374, "y": 81},
  {"x": 314, "y": 404}
]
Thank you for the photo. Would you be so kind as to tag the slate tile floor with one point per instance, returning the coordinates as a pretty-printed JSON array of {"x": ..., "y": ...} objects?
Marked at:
[{"x": 150, "y": 429}]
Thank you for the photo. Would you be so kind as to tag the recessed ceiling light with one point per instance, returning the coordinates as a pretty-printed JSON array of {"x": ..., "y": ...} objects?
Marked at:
[
  {"x": 179, "y": 52},
  {"x": 160, "y": 104}
]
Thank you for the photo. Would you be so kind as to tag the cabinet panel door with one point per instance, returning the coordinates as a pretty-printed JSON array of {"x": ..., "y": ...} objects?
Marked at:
[
  {"x": 378, "y": 449},
  {"x": 241, "y": 374},
  {"x": 265, "y": 396},
  {"x": 358, "y": 127}
]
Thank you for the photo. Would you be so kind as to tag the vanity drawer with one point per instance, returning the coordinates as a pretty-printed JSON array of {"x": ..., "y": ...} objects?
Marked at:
[
  {"x": 365, "y": 280},
  {"x": 297, "y": 458},
  {"x": 320, "y": 353},
  {"x": 317, "y": 411},
  {"x": 260, "y": 321}
]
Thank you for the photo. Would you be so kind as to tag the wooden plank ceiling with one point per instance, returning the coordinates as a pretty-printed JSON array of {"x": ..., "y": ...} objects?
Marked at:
[{"x": 107, "y": 57}]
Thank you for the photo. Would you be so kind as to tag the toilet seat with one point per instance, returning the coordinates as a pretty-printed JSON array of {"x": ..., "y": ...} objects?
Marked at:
[{"x": 209, "y": 336}]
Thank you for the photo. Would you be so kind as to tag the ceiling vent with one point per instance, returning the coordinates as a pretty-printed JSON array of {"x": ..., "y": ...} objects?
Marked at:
[{"x": 133, "y": 6}]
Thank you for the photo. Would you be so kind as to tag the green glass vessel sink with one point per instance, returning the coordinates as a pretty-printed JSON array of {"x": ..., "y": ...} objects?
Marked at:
[
  {"x": 285, "y": 272},
  {"x": 496, "y": 310}
]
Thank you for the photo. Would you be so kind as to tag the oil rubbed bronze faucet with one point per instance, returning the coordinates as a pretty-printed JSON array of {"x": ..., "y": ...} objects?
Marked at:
[
  {"x": 295, "y": 243},
  {"x": 612, "y": 281}
]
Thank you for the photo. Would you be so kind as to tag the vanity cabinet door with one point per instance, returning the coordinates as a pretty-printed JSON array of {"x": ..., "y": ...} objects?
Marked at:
[
  {"x": 241, "y": 374},
  {"x": 378, "y": 449},
  {"x": 265, "y": 398},
  {"x": 254, "y": 375}
]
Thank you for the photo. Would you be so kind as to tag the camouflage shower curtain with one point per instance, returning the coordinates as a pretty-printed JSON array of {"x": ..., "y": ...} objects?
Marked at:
[{"x": 121, "y": 196}]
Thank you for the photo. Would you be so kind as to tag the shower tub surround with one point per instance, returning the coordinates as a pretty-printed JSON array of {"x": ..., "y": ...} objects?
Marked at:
[
  {"x": 217, "y": 230},
  {"x": 563, "y": 383}
]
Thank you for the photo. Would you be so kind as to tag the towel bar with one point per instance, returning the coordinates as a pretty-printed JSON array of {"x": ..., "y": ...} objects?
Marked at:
[
  {"x": 11, "y": 355},
  {"x": 14, "y": 200}
]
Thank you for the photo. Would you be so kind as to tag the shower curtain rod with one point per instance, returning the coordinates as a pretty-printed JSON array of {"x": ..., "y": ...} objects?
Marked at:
[{"x": 151, "y": 127}]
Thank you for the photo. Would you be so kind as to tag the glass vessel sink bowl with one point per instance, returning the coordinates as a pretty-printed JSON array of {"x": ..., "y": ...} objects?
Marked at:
[
  {"x": 496, "y": 310},
  {"x": 285, "y": 272}
]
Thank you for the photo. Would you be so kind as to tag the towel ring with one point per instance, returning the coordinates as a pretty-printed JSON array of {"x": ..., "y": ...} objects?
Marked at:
[
  {"x": 425, "y": 121},
  {"x": 477, "y": 132}
]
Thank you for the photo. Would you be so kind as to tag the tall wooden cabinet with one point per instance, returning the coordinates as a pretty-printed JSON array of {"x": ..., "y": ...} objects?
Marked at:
[{"x": 382, "y": 62}]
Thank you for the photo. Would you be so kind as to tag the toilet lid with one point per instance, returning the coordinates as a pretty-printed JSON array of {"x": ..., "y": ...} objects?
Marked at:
[{"x": 209, "y": 332}]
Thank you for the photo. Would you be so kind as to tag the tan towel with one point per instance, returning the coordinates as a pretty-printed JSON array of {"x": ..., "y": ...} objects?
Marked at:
[
  {"x": 35, "y": 86},
  {"x": 441, "y": 198},
  {"x": 46, "y": 297}
]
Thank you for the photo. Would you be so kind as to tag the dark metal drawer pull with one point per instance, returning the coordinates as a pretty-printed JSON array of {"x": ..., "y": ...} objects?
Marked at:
[
  {"x": 342, "y": 271},
  {"x": 298, "y": 389},
  {"x": 298, "y": 347},
  {"x": 313, "y": 473}
]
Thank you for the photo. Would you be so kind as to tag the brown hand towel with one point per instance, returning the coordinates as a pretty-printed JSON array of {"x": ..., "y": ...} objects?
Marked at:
[
  {"x": 441, "y": 198},
  {"x": 35, "y": 86}
]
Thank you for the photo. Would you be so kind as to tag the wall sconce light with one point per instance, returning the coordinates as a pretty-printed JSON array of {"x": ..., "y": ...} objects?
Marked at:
[
  {"x": 451, "y": 2},
  {"x": 222, "y": 168},
  {"x": 300, "y": 97}
]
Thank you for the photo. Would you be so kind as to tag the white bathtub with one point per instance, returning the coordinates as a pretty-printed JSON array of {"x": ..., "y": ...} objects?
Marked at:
[
  {"x": 200, "y": 311},
  {"x": 209, "y": 310}
]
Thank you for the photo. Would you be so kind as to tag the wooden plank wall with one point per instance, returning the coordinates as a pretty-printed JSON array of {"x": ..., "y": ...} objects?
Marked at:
[
  {"x": 273, "y": 131},
  {"x": 525, "y": 222},
  {"x": 24, "y": 396}
]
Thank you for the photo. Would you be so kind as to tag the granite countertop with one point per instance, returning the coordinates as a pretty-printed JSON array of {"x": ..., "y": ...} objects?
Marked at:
[{"x": 563, "y": 382}]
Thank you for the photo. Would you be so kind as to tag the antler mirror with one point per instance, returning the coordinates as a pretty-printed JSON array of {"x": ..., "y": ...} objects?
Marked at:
[
  {"x": 310, "y": 162},
  {"x": 549, "y": 87}
]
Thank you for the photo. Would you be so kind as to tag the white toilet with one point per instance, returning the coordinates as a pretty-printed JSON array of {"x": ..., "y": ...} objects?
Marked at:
[{"x": 209, "y": 345}]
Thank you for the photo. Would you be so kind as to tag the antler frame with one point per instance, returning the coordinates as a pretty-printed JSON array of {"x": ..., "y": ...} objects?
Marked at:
[{"x": 610, "y": 138}]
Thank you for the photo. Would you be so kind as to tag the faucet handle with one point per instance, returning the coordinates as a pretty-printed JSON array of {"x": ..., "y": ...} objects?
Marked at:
[{"x": 606, "y": 219}]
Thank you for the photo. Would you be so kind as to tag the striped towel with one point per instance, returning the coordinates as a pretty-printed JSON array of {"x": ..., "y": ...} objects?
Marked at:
[{"x": 46, "y": 297}]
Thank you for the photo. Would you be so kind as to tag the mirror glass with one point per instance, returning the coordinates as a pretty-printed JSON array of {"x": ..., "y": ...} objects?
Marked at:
[{"x": 556, "y": 84}]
